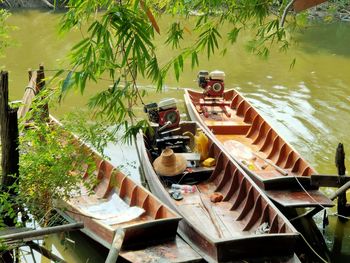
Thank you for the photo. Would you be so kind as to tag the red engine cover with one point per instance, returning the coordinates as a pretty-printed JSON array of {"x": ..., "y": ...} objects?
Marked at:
[
  {"x": 215, "y": 88},
  {"x": 171, "y": 115}
]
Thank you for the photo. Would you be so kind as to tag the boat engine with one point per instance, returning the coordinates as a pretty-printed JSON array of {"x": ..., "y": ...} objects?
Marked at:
[
  {"x": 165, "y": 113},
  {"x": 212, "y": 83}
]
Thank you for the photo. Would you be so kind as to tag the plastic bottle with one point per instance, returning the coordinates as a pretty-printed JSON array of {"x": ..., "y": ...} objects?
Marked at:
[
  {"x": 183, "y": 187},
  {"x": 202, "y": 145}
]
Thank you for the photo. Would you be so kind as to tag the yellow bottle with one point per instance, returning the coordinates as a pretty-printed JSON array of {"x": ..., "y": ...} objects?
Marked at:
[{"x": 202, "y": 145}]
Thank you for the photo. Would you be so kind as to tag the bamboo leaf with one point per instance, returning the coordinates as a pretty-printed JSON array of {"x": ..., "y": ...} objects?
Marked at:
[
  {"x": 150, "y": 16},
  {"x": 195, "y": 61},
  {"x": 233, "y": 35},
  {"x": 177, "y": 70},
  {"x": 67, "y": 82}
]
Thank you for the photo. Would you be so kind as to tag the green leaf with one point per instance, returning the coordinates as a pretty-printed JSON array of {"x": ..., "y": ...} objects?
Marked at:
[
  {"x": 233, "y": 35},
  {"x": 195, "y": 61},
  {"x": 67, "y": 83}
]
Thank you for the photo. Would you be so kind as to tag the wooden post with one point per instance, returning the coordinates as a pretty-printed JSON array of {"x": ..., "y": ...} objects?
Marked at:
[
  {"x": 40, "y": 86},
  {"x": 29, "y": 95},
  {"x": 30, "y": 72},
  {"x": 9, "y": 149},
  {"x": 30, "y": 234},
  {"x": 10, "y": 155},
  {"x": 340, "y": 163},
  {"x": 41, "y": 78},
  {"x": 9, "y": 137},
  {"x": 116, "y": 245}
]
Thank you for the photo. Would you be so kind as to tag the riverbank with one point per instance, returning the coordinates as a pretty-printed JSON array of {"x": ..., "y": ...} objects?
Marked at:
[
  {"x": 333, "y": 10},
  {"x": 330, "y": 11},
  {"x": 33, "y": 4}
]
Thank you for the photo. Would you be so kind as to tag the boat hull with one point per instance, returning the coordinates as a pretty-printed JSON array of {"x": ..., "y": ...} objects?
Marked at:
[
  {"x": 150, "y": 233},
  {"x": 237, "y": 213},
  {"x": 272, "y": 163}
]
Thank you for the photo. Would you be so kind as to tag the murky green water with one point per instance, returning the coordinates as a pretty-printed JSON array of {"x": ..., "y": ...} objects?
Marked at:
[{"x": 309, "y": 105}]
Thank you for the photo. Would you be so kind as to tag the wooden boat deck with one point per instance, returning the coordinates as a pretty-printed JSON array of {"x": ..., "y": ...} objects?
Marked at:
[
  {"x": 112, "y": 182},
  {"x": 229, "y": 229},
  {"x": 247, "y": 137},
  {"x": 94, "y": 200},
  {"x": 219, "y": 220},
  {"x": 173, "y": 251}
]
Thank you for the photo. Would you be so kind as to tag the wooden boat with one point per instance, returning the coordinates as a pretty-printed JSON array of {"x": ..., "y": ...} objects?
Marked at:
[
  {"x": 273, "y": 164},
  {"x": 117, "y": 202},
  {"x": 227, "y": 230}
]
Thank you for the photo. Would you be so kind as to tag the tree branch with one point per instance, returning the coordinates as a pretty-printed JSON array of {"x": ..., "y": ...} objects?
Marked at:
[
  {"x": 48, "y": 3},
  {"x": 285, "y": 12}
]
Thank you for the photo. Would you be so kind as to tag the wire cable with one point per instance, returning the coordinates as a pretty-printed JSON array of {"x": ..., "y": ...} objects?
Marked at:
[
  {"x": 313, "y": 250},
  {"x": 323, "y": 207},
  {"x": 111, "y": 81}
]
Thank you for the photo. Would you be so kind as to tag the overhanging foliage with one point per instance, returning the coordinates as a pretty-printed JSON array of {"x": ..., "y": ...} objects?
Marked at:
[{"x": 118, "y": 42}]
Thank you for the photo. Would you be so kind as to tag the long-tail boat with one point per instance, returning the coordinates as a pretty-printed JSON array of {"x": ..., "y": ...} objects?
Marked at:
[
  {"x": 245, "y": 224},
  {"x": 273, "y": 164},
  {"x": 117, "y": 202}
]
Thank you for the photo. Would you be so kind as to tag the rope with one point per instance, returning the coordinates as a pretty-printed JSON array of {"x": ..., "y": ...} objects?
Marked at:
[
  {"x": 338, "y": 215},
  {"x": 313, "y": 251},
  {"x": 323, "y": 207},
  {"x": 139, "y": 86},
  {"x": 29, "y": 87}
]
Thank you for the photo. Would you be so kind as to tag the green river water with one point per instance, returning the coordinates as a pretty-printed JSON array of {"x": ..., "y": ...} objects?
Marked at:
[{"x": 308, "y": 105}]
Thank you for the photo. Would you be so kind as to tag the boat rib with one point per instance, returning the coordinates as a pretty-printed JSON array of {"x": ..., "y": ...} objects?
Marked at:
[
  {"x": 226, "y": 230},
  {"x": 256, "y": 146}
]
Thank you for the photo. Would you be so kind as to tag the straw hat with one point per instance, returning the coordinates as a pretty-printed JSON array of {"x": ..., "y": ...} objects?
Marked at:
[{"x": 169, "y": 163}]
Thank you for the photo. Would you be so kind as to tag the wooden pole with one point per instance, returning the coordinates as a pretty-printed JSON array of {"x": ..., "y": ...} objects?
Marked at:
[
  {"x": 115, "y": 247},
  {"x": 30, "y": 72},
  {"x": 9, "y": 139},
  {"x": 9, "y": 150},
  {"x": 10, "y": 155},
  {"x": 341, "y": 192},
  {"x": 40, "y": 86},
  {"x": 41, "y": 232},
  {"x": 29, "y": 95},
  {"x": 41, "y": 78}
]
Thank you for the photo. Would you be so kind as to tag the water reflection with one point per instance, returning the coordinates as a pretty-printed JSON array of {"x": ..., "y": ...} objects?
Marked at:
[
  {"x": 75, "y": 247},
  {"x": 328, "y": 38},
  {"x": 338, "y": 241}
]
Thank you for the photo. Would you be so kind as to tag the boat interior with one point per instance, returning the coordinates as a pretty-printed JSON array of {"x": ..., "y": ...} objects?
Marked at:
[
  {"x": 248, "y": 137},
  {"x": 243, "y": 210},
  {"x": 116, "y": 201}
]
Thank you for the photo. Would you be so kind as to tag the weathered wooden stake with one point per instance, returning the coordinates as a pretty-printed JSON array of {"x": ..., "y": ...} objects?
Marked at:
[
  {"x": 340, "y": 163},
  {"x": 40, "y": 86},
  {"x": 116, "y": 245},
  {"x": 9, "y": 138},
  {"x": 30, "y": 234},
  {"x": 9, "y": 149},
  {"x": 29, "y": 94},
  {"x": 10, "y": 156}
]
